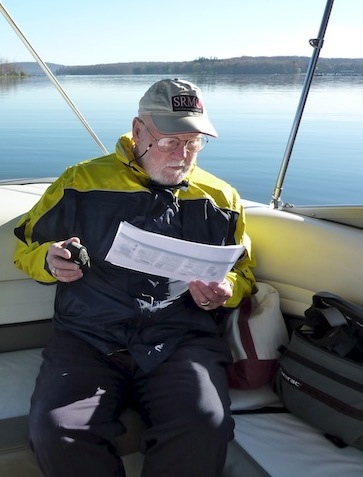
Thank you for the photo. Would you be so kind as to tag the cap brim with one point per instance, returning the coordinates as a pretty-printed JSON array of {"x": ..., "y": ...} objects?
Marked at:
[{"x": 172, "y": 124}]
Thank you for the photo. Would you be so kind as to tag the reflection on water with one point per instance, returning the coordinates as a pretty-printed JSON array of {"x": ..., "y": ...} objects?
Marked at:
[
  {"x": 9, "y": 84},
  {"x": 253, "y": 115}
]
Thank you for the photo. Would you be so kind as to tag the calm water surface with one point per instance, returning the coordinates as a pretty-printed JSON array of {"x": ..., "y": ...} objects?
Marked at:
[{"x": 41, "y": 136}]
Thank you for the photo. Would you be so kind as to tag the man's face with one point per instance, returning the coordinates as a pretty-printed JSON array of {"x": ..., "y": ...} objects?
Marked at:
[{"x": 162, "y": 167}]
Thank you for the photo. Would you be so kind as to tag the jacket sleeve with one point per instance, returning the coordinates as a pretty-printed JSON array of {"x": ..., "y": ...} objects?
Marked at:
[
  {"x": 241, "y": 276},
  {"x": 38, "y": 229}
]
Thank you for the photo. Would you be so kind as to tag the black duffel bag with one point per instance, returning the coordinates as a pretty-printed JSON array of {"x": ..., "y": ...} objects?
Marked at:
[{"x": 320, "y": 372}]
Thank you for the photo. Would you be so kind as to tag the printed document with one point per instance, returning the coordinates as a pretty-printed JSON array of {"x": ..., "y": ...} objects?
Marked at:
[{"x": 169, "y": 257}]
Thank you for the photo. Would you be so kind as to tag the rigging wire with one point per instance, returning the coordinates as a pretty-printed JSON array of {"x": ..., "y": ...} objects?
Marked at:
[{"x": 52, "y": 78}]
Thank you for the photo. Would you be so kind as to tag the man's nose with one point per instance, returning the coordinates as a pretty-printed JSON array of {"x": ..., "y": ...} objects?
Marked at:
[{"x": 182, "y": 149}]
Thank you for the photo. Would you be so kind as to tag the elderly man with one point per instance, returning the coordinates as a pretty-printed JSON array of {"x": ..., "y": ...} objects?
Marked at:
[{"x": 122, "y": 336}]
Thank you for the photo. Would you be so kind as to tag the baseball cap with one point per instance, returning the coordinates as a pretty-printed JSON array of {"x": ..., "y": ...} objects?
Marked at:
[{"x": 176, "y": 106}]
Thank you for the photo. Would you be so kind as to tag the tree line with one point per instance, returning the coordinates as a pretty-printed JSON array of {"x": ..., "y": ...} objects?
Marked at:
[
  {"x": 240, "y": 65},
  {"x": 9, "y": 69}
]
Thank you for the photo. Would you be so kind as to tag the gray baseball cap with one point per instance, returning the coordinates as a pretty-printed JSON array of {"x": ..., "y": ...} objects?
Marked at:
[{"x": 176, "y": 107}]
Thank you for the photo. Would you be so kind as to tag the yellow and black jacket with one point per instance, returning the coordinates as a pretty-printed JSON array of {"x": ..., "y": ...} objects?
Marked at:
[{"x": 112, "y": 307}]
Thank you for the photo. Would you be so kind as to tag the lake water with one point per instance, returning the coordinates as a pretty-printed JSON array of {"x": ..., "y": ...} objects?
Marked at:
[{"x": 253, "y": 115}]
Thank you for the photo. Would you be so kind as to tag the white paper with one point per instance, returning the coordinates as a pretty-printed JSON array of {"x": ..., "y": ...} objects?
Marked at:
[{"x": 169, "y": 257}]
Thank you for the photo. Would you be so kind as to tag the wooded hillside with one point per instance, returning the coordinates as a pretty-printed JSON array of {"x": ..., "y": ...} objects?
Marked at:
[{"x": 241, "y": 65}]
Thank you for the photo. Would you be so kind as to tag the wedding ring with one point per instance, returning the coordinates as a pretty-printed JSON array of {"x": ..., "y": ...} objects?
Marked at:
[
  {"x": 205, "y": 303},
  {"x": 53, "y": 271}
]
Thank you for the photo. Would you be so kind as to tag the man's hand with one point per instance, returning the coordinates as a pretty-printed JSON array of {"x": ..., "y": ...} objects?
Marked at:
[
  {"x": 59, "y": 263},
  {"x": 211, "y": 296}
]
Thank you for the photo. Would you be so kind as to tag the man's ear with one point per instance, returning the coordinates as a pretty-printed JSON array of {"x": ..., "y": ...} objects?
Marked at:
[{"x": 136, "y": 127}]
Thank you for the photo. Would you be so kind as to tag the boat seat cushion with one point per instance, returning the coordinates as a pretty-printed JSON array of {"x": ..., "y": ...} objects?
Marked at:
[
  {"x": 284, "y": 446},
  {"x": 18, "y": 372},
  {"x": 19, "y": 369}
]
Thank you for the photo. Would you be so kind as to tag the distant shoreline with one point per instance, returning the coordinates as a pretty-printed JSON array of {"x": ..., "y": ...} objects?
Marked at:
[{"x": 241, "y": 65}]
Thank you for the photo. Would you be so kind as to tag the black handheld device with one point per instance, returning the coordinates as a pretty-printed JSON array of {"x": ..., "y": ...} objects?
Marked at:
[{"x": 79, "y": 255}]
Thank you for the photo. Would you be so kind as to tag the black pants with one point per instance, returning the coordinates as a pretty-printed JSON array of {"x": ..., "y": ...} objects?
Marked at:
[{"x": 79, "y": 394}]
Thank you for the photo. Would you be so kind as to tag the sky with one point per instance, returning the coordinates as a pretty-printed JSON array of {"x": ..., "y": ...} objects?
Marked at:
[{"x": 85, "y": 32}]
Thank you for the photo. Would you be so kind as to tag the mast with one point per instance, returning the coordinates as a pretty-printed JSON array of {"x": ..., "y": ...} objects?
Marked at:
[{"x": 317, "y": 44}]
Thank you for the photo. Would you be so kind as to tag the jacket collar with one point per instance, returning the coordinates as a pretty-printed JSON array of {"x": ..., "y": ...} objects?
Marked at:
[{"x": 125, "y": 154}]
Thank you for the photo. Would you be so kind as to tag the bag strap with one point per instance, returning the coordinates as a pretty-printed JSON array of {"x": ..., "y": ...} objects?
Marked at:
[
  {"x": 335, "y": 323},
  {"x": 319, "y": 317},
  {"x": 341, "y": 340},
  {"x": 353, "y": 313},
  {"x": 331, "y": 314}
]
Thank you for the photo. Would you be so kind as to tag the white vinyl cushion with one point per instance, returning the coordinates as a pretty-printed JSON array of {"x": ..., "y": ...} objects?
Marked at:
[
  {"x": 253, "y": 398},
  {"x": 18, "y": 371},
  {"x": 285, "y": 446},
  {"x": 280, "y": 443}
]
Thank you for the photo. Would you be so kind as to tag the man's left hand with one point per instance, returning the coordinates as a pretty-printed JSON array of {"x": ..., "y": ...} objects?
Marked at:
[{"x": 211, "y": 296}]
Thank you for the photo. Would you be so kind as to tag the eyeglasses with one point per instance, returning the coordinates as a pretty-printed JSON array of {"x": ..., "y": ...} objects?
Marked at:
[{"x": 169, "y": 144}]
